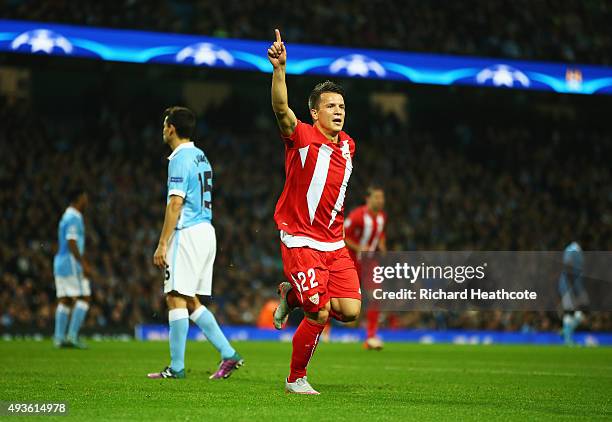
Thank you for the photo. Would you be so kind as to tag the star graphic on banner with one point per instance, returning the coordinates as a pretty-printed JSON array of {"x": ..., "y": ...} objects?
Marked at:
[
  {"x": 42, "y": 42},
  {"x": 204, "y": 55}
]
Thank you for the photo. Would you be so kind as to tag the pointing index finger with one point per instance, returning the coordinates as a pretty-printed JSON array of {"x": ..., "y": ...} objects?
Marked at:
[{"x": 278, "y": 37}]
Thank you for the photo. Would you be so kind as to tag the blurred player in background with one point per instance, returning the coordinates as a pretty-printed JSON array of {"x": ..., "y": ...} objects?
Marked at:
[
  {"x": 309, "y": 215},
  {"x": 71, "y": 271},
  {"x": 364, "y": 234},
  {"x": 573, "y": 294},
  {"x": 187, "y": 246}
]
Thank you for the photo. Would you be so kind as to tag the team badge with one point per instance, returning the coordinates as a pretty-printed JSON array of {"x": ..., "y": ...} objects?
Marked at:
[{"x": 314, "y": 298}]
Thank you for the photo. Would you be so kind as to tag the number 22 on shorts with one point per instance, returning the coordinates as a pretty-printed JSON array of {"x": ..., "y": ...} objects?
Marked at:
[{"x": 309, "y": 276}]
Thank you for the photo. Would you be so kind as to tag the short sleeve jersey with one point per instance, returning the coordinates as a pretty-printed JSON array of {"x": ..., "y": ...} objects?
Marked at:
[
  {"x": 310, "y": 210},
  {"x": 190, "y": 177},
  {"x": 71, "y": 227},
  {"x": 365, "y": 228}
]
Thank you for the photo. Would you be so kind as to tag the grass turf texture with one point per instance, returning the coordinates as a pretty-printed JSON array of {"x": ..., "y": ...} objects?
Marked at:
[{"x": 405, "y": 381}]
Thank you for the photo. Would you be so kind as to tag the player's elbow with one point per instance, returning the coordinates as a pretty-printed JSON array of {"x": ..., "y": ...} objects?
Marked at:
[
  {"x": 280, "y": 108},
  {"x": 176, "y": 203},
  {"x": 72, "y": 245}
]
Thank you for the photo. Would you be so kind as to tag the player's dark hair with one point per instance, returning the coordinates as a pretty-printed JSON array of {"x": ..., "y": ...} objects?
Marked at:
[
  {"x": 183, "y": 120},
  {"x": 315, "y": 96},
  {"x": 74, "y": 193},
  {"x": 373, "y": 187}
]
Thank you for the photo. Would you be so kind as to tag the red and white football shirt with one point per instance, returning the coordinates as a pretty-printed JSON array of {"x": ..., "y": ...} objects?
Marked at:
[
  {"x": 310, "y": 211},
  {"x": 365, "y": 228}
]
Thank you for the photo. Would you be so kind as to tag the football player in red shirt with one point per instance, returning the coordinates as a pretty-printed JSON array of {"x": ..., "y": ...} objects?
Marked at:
[
  {"x": 365, "y": 233},
  {"x": 321, "y": 275}
]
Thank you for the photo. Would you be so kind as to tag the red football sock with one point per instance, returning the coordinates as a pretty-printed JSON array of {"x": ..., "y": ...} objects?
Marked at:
[
  {"x": 372, "y": 327},
  {"x": 292, "y": 299},
  {"x": 305, "y": 341}
]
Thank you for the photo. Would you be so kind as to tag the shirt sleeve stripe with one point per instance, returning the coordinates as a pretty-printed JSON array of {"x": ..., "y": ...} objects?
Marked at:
[{"x": 177, "y": 192}]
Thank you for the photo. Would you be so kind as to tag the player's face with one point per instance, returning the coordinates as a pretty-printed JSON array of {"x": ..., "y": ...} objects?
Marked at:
[
  {"x": 167, "y": 131},
  {"x": 330, "y": 114},
  {"x": 83, "y": 201},
  {"x": 376, "y": 200}
]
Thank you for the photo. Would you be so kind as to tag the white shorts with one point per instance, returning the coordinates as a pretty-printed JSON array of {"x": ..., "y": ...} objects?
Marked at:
[
  {"x": 72, "y": 286},
  {"x": 190, "y": 258}
]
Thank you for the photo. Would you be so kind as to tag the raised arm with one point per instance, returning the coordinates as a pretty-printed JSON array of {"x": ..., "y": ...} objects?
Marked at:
[{"x": 277, "y": 54}]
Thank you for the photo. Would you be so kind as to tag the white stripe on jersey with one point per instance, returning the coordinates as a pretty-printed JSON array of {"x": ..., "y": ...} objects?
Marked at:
[
  {"x": 304, "y": 154},
  {"x": 368, "y": 226},
  {"x": 348, "y": 169},
  {"x": 380, "y": 225},
  {"x": 291, "y": 241},
  {"x": 317, "y": 183}
]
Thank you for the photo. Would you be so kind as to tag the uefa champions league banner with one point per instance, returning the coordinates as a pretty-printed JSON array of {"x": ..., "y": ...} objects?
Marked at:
[{"x": 37, "y": 38}]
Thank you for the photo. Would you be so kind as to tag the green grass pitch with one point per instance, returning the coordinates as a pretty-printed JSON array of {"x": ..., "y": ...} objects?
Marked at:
[{"x": 403, "y": 382}]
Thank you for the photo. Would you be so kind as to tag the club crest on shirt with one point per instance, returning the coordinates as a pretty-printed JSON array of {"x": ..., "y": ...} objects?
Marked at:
[
  {"x": 314, "y": 298},
  {"x": 346, "y": 150}
]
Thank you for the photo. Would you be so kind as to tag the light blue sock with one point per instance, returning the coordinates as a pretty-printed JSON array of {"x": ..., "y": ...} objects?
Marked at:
[
  {"x": 568, "y": 328},
  {"x": 179, "y": 326},
  {"x": 208, "y": 324},
  {"x": 62, "y": 312},
  {"x": 578, "y": 318},
  {"x": 78, "y": 316}
]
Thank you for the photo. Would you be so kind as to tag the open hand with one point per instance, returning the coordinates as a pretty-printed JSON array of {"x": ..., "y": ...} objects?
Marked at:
[
  {"x": 277, "y": 54},
  {"x": 87, "y": 270},
  {"x": 159, "y": 258}
]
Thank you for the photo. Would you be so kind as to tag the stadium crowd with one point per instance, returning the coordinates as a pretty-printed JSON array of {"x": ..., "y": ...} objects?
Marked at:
[
  {"x": 571, "y": 30},
  {"x": 479, "y": 187}
]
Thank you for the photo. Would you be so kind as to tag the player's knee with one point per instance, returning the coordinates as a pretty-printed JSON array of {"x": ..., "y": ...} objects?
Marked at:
[
  {"x": 175, "y": 301},
  {"x": 351, "y": 315},
  {"x": 193, "y": 303},
  {"x": 319, "y": 317},
  {"x": 322, "y": 316}
]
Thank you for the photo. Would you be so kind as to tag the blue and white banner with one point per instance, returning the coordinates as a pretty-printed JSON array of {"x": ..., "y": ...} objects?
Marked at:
[
  {"x": 149, "y": 47},
  {"x": 353, "y": 335}
]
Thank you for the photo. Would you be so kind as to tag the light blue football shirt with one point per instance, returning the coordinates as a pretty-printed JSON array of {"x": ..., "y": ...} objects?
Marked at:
[
  {"x": 71, "y": 227},
  {"x": 571, "y": 276},
  {"x": 190, "y": 177},
  {"x": 572, "y": 256}
]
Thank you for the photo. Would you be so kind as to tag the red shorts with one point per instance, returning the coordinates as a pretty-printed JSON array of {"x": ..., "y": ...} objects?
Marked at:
[{"x": 318, "y": 276}]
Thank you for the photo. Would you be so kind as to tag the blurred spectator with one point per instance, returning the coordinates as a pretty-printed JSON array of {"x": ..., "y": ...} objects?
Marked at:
[
  {"x": 487, "y": 186},
  {"x": 265, "y": 319}
]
